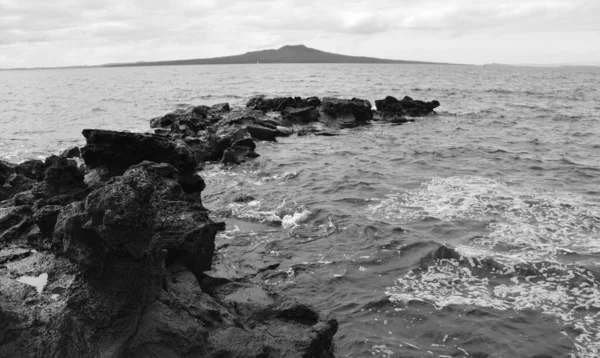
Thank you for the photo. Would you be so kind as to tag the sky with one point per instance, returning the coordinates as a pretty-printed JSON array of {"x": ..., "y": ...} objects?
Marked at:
[{"x": 46, "y": 33}]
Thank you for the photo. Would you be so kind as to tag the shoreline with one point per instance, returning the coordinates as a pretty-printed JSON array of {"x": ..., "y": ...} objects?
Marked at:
[{"x": 114, "y": 252}]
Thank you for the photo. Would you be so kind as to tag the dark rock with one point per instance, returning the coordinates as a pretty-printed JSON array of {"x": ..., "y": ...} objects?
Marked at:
[
  {"x": 279, "y": 104},
  {"x": 14, "y": 222},
  {"x": 136, "y": 216},
  {"x": 262, "y": 132},
  {"x": 187, "y": 122},
  {"x": 6, "y": 170},
  {"x": 300, "y": 115},
  {"x": 394, "y": 110},
  {"x": 45, "y": 218},
  {"x": 345, "y": 113},
  {"x": 14, "y": 185},
  {"x": 72, "y": 152},
  {"x": 313, "y": 101},
  {"x": 220, "y": 108},
  {"x": 117, "y": 151},
  {"x": 125, "y": 282},
  {"x": 62, "y": 173},
  {"x": 191, "y": 183},
  {"x": 33, "y": 169},
  {"x": 243, "y": 198}
]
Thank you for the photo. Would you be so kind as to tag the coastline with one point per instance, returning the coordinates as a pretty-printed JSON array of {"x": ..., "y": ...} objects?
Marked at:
[{"x": 118, "y": 242}]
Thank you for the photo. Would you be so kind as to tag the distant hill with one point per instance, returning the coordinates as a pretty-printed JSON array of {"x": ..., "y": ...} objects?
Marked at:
[{"x": 285, "y": 54}]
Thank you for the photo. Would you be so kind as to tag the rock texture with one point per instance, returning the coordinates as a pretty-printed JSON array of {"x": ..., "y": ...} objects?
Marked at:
[
  {"x": 394, "y": 110},
  {"x": 117, "y": 151},
  {"x": 121, "y": 256},
  {"x": 279, "y": 104},
  {"x": 345, "y": 113}
]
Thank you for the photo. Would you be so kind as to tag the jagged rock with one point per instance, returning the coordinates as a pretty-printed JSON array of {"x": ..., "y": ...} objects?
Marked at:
[
  {"x": 72, "y": 152},
  {"x": 345, "y": 113},
  {"x": 136, "y": 249},
  {"x": 187, "y": 122},
  {"x": 45, "y": 218},
  {"x": 6, "y": 170},
  {"x": 33, "y": 169},
  {"x": 220, "y": 108},
  {"x": 137, "y": 215},
  {"x": 117, "y": 151},
  {"x": 279, "y": 104},
  {"x": 16, "y": 184},
  {"x": 300, "y": 115},
  {"x": 62, "y": 173},
  {"x": 395, "y": 111},
  {"x": 14, "y": 223}
]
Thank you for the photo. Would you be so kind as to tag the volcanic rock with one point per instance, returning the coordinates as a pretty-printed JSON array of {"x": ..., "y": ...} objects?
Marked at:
[
  {"x": 344, "y": 113},
  {"x": 187, "y": 122},
  {"x": 33, "y": 169},
  {"x": 72, "y": 152},
  {"x": 394, "y": 110},
  {"x": 117, "y": 151},
  {"x": 301, "y": 115},
  {"x": 127, "y": 285},
  {"x": 279, "y": 104}
]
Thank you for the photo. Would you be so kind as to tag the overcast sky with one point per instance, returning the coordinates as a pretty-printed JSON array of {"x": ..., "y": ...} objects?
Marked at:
[{"x": 87, "y": 32}]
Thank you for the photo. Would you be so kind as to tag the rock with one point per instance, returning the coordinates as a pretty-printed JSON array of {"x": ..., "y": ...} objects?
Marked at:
[
  {"x": 72, "y": 152},
  {"x": 33, "y": 169},
  {"x": 16, "y": 184},
  {"x": 394, "y": 110},
  {"x": 14, "y": 223},
  {"x": 62, "y": 173},
  {"x": 187, "y": 122},
  {"x": 6, "y": 170},
  {"x": 262, "y": 132},
  {"x": 137, "y": 216},
  {"x": 285, "y": 131},
  {"x": 300, "y": 115},
  {"x": 345, "y": 113},
  {"x": 220, "y": 108},
  {"x": 117, "y": 151},
  {"x": 121, "y": 271},
  {"x": 45, "y": 218},
  {"x": 191, "y": 183},
  {"x": 279, "y": 104}
]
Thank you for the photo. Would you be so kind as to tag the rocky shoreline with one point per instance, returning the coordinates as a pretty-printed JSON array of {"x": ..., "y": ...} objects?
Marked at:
[{"x": 104, "y": 249}]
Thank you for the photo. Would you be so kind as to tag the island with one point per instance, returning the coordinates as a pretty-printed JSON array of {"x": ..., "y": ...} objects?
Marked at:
[{"x": 285, "y": 54}]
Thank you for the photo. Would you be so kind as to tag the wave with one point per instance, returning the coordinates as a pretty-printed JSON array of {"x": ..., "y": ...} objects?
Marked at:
[
  {"x": 448, "y": 278},
  {"x": 522, "y": 224}
]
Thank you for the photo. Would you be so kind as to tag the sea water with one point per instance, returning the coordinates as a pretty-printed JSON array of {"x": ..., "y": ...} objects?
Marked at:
[{"x": 473, "y": 232}]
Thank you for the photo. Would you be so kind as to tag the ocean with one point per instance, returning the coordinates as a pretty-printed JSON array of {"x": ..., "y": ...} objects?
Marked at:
[{"x": 472, "y": 232}]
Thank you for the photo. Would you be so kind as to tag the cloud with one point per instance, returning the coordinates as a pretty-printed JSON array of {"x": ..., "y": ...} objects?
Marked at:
[{"x": 124, "y": 30}]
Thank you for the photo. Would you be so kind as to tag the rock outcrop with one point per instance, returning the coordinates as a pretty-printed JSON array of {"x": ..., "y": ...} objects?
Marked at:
[
  {"x": 117, "y": 151},
  {"x": 187, "y": 122},
  {"x": 394, "y": 110},
  {"x": 279, "y": 104},
  {"x": 345, "y": 113},
  {"x": 120, "y": 263},
  {"x": 120, "y": 248}
]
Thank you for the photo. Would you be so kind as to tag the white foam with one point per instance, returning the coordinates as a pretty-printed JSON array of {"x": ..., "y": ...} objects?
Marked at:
[
  {"x": 523, "y": 224},
  {"x": 449, "y": 283},
  {"x": 290, "y": 221},
  {"x": 38, "y": 282}
]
